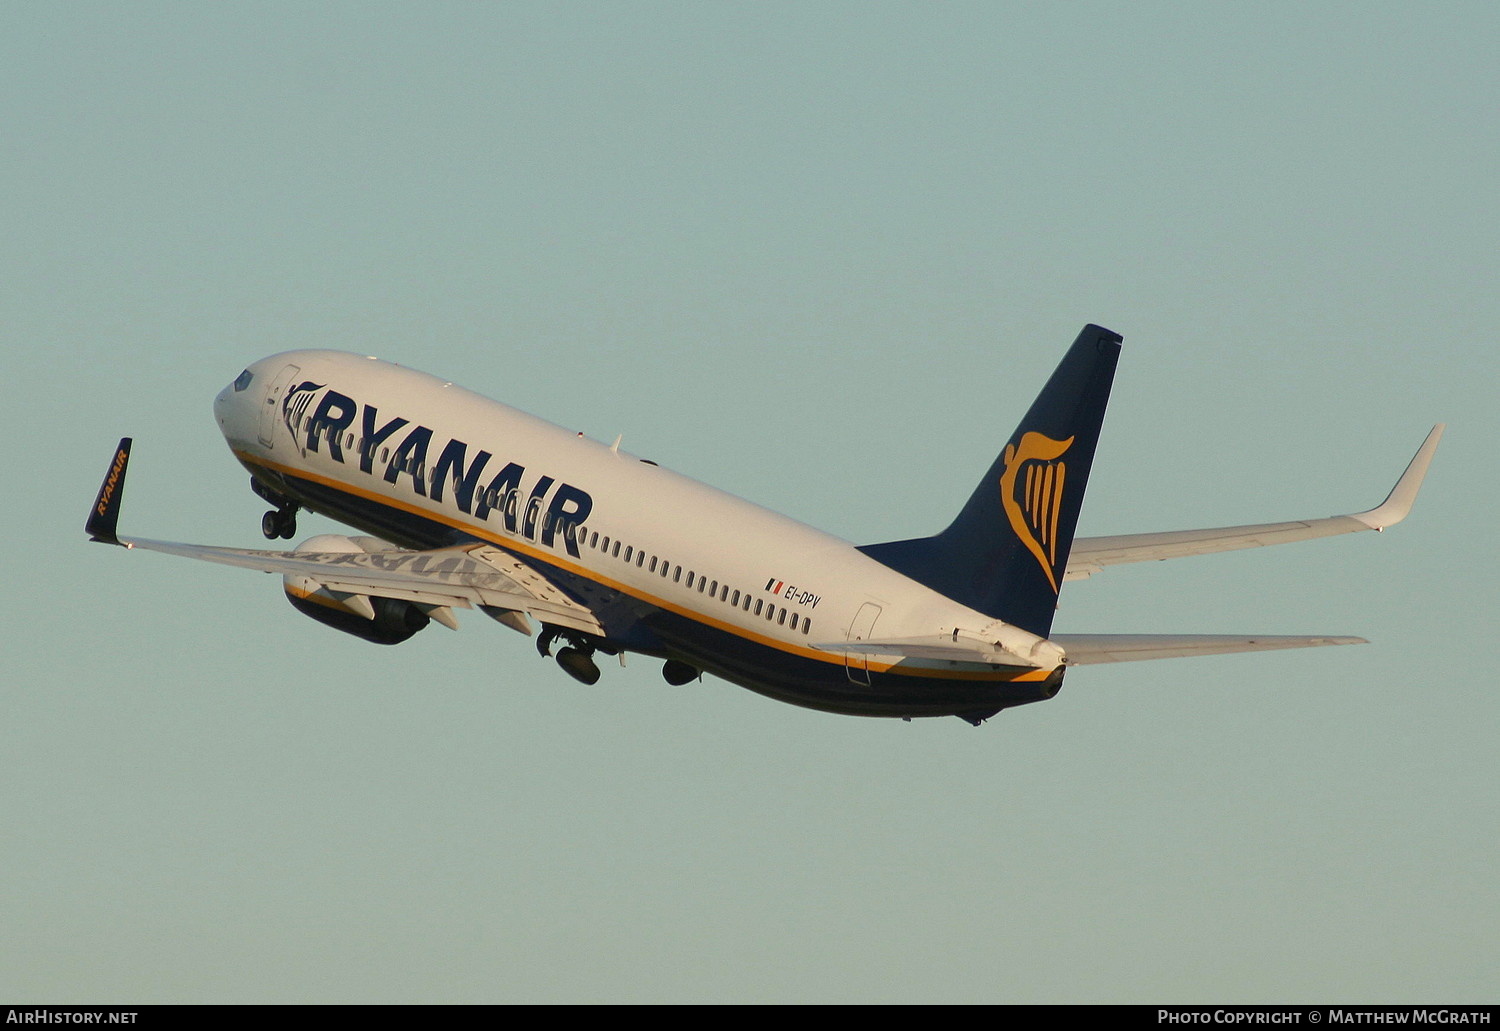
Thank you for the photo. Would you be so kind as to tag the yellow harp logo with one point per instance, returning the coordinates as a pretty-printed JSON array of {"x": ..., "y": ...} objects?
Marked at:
[{"x": 1031, "y": 489}]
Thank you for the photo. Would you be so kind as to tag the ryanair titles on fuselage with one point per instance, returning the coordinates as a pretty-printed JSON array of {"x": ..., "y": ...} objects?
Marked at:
[{"x": 405, "y": 450}]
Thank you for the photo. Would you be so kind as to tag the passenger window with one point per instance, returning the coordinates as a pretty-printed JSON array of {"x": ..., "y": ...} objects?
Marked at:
[
  {"x": 758, "y": 604},
  {"x": 677, "y": 574},
  {"x": 653, "y": 563},
  {"x": 690, "y": 580},
  {"x": 640, "y": 559},
  {"x": 736, "y": 600},
  {"x": 628, "y": 551},
  {"x": 794, "y": 621},
  {"x": 781, "y": 617},
  {"x": 713, "y": 588}
]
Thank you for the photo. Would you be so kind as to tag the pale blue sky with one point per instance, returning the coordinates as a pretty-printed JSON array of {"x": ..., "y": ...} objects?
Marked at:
[{"x": 821, "y": 255}]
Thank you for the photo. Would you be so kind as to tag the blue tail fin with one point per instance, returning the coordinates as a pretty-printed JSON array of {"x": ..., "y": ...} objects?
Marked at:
[{"x": 1006, "y": 552}]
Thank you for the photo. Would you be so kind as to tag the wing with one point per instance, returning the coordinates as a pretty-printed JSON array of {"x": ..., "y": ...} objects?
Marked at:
[
  {"x": 1091, "y": 554},
  {"x": 471, "y": 576}
]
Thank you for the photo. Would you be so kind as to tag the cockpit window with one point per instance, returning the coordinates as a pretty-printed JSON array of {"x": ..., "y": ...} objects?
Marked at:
[{"x": 243, "y": 380}]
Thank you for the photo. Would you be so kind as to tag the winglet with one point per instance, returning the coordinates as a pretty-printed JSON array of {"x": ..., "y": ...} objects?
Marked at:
[
  {"x": 1396, "y": 506},
  {"x": 105, "y": 514}
]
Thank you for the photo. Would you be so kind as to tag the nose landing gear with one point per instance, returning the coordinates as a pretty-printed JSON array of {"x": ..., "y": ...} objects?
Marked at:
[
  {"x": 280, "y": 523},
  {"x": 283, "y": 521}
]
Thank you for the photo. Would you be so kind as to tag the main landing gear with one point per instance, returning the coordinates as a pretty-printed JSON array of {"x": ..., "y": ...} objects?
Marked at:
[
  {"x": 578, "y": 664},
  {"x": 676, "y": 672},
  {"x": 576, "y": 660},
  {"x": 577, "y": 657}
]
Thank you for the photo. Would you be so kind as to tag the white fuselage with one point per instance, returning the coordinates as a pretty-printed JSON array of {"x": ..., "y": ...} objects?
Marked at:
[{"x": 671, "y": 566}]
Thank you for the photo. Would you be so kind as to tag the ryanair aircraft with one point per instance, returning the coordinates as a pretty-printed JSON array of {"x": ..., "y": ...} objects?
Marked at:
[{"x": 465, "y": 503}]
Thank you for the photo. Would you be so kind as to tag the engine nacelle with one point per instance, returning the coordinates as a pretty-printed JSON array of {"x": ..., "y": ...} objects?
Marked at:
[{"x": 381, "y": 620}]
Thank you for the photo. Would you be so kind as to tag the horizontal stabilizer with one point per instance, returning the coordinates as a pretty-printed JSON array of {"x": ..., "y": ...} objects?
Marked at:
[{"x": 1087, "y": 649}]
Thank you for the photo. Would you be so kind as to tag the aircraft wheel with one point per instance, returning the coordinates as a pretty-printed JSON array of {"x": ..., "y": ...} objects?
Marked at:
[
  {"x": 677, "y": 672},
  {"x": 578, "y": 665},
  {"x": 279, "y": 523}
]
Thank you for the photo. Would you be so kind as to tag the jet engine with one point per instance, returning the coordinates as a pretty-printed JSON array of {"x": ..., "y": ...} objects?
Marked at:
[{"x": 381, "y": 620}]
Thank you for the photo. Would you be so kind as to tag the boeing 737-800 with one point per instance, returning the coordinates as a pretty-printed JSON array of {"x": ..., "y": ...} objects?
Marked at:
[{"x": 466, "y": 503}]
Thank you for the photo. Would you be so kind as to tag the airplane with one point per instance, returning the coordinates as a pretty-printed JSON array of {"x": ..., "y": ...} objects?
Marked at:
[{"x": 462, "y": 502}]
